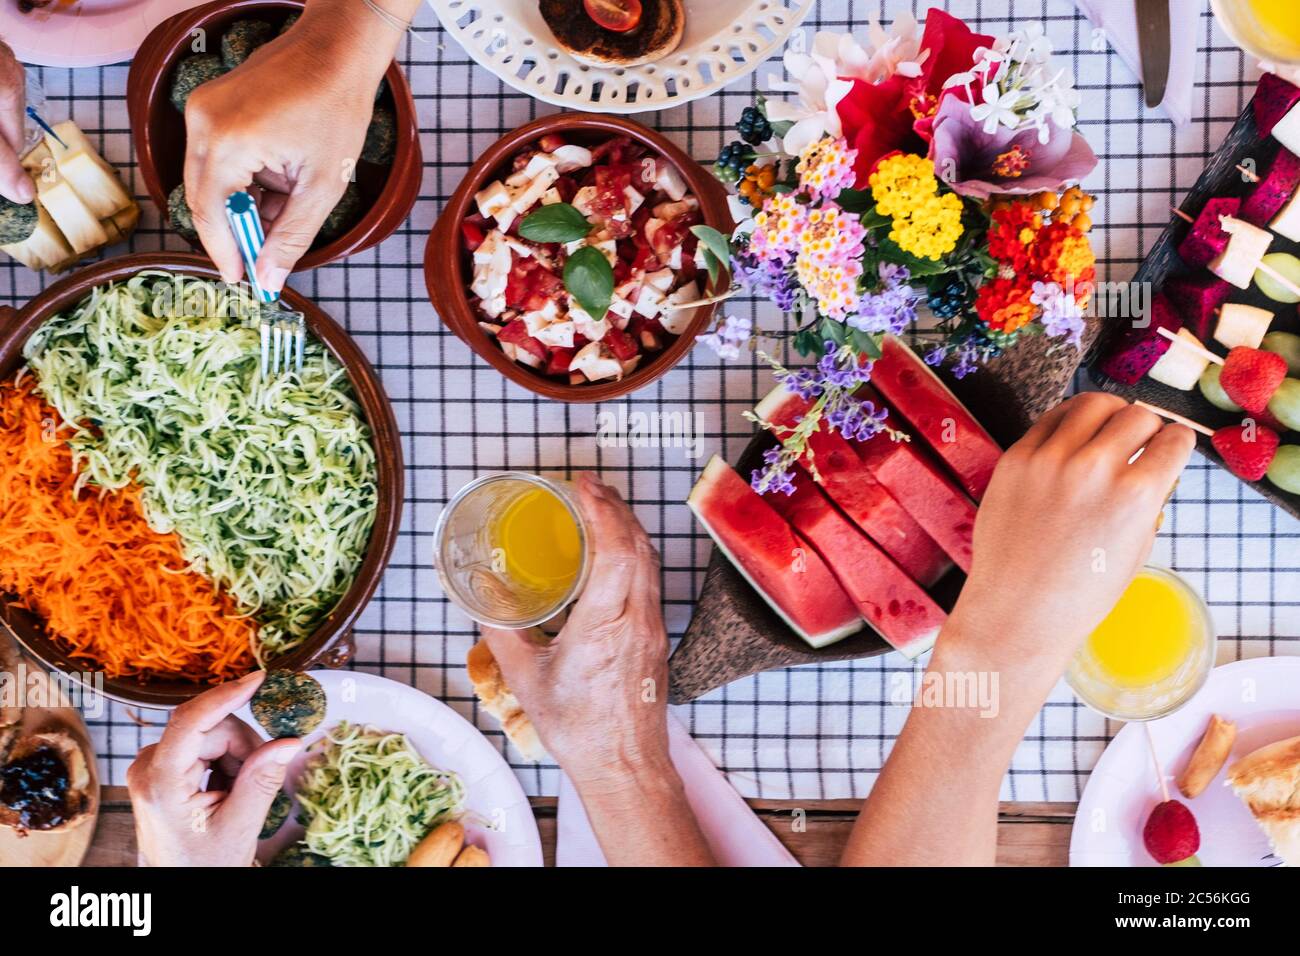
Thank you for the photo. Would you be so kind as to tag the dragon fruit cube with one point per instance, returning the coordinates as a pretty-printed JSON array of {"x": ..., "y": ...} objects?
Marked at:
[
  {"x": 1278, "y": 184},
  {"x": 1197, "y": 298},
  {"x": 1274, "y": 98},
  {"x": 1208, "y": 239},
  {"x": 1138, "y": 349}
]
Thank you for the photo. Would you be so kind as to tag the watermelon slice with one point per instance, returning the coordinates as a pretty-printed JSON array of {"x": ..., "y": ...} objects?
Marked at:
[
  {"x": 920, "y": 486},
  {"x": 891, "y": 602},
  {"x": 867, "y": 503},
  {"x": 762, "y": 546},
  {"x": 934, "y": 412}
]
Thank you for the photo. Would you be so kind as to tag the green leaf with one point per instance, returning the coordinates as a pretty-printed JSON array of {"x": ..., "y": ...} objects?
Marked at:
[
  {"x": 590, "y": 279},
  {"x": 834, "y": 331},
  {"x": 865, "y": 343},
  {"x": 919, "y": 268},
  {"x": 558, "y": 222},
  {"x": 855, "y": 200},
  {"x": 806, "y": 342},
  {"x": 714, "y": 269},
  {"x": 716, "y": 243}
]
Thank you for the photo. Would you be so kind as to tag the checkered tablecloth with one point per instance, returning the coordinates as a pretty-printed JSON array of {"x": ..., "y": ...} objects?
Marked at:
[{"x": 811, "y": 732}]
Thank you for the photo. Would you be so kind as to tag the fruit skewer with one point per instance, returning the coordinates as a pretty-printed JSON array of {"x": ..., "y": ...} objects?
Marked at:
[
  {"x": 1250, "y": 450},
  {"x": 1171, "y": 835},
  {"x": 1230, "y": 247}
]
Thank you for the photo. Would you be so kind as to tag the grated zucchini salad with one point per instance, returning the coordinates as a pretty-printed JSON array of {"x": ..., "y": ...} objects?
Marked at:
[
  {"x": 368, "y": 798},
  {"x": 270, "y": 485}
]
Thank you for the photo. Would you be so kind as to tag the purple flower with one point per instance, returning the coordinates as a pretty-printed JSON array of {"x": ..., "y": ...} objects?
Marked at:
[
  {"x": 777, "y": 473},
  {"x": 891, "y": 309},
  {"x": 771, "y": 278},
  {"x": 979, "y": 164},
  {"x": 726, "y": 340},
  {"x": 856, "y": 420},
  {"x": 1062, "y": 315}
]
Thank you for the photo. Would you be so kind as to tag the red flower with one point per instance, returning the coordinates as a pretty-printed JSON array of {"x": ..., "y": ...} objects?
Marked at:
[
  {"x": 951, "y": 45},
  {"x": 876, "y": 121}
]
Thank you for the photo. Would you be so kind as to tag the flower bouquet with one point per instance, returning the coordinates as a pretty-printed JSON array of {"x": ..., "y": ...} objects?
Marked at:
[{"x": 924, "y": 171}]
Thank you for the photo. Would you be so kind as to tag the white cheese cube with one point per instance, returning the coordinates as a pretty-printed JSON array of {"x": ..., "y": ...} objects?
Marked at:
[
  {"x": 569, "y": 158},
  {"x": 583, "y": 199},
  {"x": 676, "y": 320},
  {"x": 595, "y": 362},
  {"x": 621, "y": 307},
  {"x": 661, "y": 280},
  {"x": 557, "y": 335},
  {"x": 609, "y": 248},
  {"x": 634, "y": 199},
  {"x": 669, "y": 180},
  {"x": 532, "y": 193},
  {"x": 538, "y": 163},
  {"x": 649, "y": 302},
  {"x": 675, "y": 258},
  {"x": 551, "y": 197},
  {"x": 492, "y": 199}
]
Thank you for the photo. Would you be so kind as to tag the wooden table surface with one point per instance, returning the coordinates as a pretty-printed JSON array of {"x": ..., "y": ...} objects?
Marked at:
[{"x": 1029, "y": 834}]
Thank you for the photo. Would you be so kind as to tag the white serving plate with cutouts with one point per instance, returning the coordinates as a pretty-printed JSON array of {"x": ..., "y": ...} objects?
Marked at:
[{"x": 724, "y": 40}]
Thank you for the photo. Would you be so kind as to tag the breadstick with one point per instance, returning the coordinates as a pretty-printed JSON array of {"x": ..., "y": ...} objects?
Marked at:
[
  {"x": 1208, "y": 758},
  {"x": 440, "y": 847}
]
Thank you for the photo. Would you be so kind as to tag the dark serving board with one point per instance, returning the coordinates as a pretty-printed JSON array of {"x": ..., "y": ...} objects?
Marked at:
[
  {"x": 733, "y": 633},
  {"x": 1221, "y": 178}
]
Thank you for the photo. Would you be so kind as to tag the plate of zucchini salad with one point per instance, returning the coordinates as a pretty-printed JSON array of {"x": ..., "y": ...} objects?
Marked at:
[
  {"x": 165, "y": 511},
  {"x": 389, "y": 777}
]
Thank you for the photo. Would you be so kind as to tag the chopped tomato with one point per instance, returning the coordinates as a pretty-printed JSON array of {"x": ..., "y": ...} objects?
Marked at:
[
  {"x": 558, "y": 363},
  {"x": 646, "y": 260},
  {"x": 621, "y": 344},
  {"x": 516, "y": 333},
  {"x": 472, "y": 234}
]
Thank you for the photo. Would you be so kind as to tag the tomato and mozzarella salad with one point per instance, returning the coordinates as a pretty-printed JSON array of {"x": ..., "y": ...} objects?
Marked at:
[{"x": 581, "y": 258}]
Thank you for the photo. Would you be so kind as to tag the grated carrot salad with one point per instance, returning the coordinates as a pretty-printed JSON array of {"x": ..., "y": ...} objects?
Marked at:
[{"x": 116, "y": 594}]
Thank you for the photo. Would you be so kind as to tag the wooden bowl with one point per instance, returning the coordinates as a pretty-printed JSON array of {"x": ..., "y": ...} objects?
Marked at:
[
  {"x": 388, "y": 192},
  {"x": 446, "y": 269},
  {"x": 331, "y": 644}
]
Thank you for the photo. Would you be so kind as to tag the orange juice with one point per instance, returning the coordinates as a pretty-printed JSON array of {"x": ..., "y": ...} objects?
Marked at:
[
  {"x": 1150, "y": 654},
  {"x": 511, "y": 550},
  {"x": 1269, "y": 29},
  {"x": 538, "y": 539}
]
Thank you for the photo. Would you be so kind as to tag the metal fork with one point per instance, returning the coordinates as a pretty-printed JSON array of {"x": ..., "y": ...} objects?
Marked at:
[{"x": 283, "y": 332}]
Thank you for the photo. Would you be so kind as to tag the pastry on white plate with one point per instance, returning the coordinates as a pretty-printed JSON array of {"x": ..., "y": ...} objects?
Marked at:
[{"x": 1268, "y": 782}]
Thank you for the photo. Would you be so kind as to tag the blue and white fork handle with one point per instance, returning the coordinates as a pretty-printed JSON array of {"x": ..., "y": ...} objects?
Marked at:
[{"x": 277, "y": 341}]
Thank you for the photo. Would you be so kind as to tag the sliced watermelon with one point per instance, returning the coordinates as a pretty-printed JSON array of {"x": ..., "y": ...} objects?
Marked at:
[
  {"x": 867, "y": 503},
  {"x": 916, "y": 480},
  {"x": 891, "y": 602},
  {"x": 935, "y": 413},
  {"x": 786, "y": 573}
]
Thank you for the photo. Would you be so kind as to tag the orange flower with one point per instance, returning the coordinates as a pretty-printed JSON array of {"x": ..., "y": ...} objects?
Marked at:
[
  {"x": 1062, "y": 254},
  {"x": 1004, "y": 304}
]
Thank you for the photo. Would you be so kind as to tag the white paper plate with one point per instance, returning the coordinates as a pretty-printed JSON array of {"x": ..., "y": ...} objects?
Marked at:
[
  {"x": 500, "y": 819},
  {"x": 1261, "y": 697},
  {"x": 85, "y": 32},
  {"x": 724, "y": 40}
]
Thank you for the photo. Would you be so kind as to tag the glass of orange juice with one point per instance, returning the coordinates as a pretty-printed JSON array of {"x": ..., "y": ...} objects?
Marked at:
[
  {"x": 1152, "y": 652},
  {"x": 511, "y": 549},
  {"x": 1267, "y": 29}
]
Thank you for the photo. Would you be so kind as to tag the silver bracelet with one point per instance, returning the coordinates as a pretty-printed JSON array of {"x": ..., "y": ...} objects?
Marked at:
[{"x": 396, "y": 22}]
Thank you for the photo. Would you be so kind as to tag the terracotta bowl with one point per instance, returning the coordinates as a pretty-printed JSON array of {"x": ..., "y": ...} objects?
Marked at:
[
  {"x": 388, "y": 192},
  {"x": 447, "y": 271},
  {"x": 331, "y": 644}
]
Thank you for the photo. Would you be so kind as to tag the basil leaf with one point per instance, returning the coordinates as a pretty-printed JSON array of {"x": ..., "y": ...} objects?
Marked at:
[
  {"x": 590, "y": 279},
  {"x": 558, "y": 222},
  {"x": 715, "y": 243}
]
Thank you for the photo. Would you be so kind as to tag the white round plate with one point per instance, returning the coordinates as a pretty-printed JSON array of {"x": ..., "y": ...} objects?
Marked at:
[
  {"x": 77, "y": 33},
  {"x": 1259, "y": 695},
  {"x": 499, "y": 818},
  {"x": 723, "y": 41}
]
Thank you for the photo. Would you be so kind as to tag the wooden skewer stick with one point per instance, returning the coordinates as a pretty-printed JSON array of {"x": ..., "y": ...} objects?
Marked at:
[
  {"x": 1183, "y": 343},
  {"x": 1181, "y": 215},
  {"x": 1160, "y": 771},
  {"x": 1175, "y": 417},
  {"x": 680, "y": 306},
  {"x": 1250, "y": 174}
]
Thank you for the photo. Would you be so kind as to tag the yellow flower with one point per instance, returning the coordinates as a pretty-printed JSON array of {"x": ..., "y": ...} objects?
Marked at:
[
  {"x": 900, "y": 182},
  {"x": 932, "y": 229}
]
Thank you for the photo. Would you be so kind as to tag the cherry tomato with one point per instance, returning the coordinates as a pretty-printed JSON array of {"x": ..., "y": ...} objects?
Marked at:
[{"x": 617, "y": 15}]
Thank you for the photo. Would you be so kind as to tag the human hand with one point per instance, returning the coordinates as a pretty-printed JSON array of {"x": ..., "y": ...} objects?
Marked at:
[
  {"x": 292, "y": 119},
  {"x": 1065, "y": 525},
  {"x": 180, "y": 824},
  {"x": 596, "y": 693},
  {"x": 15, "y": 184}
]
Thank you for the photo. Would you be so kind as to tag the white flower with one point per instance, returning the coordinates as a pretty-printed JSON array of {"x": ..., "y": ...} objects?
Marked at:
[
  {"x": 825, "y": 75},
  {"x": 997, "y": 108}
]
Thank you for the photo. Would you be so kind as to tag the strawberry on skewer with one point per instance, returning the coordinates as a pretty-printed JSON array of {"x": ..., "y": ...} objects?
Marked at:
[
  {"x": 1250, "y": 450},
  {"x": 1171, "y": 835}
]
